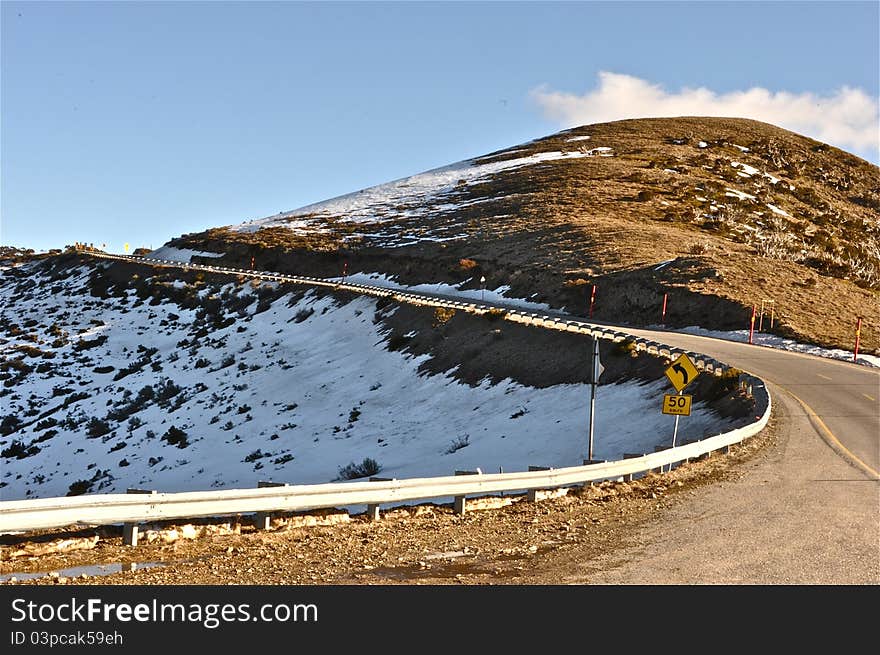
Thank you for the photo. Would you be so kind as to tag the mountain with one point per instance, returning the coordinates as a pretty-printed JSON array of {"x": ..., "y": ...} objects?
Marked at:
[{"x": 720, "y": 214}]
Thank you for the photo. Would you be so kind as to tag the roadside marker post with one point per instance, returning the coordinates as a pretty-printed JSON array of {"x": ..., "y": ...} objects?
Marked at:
[
  {"x": 858, "y": 337},
  {"x": 482, "y": 287},
  {"x": 592, "y": 302},
  {"x": 663, "y": 313}
]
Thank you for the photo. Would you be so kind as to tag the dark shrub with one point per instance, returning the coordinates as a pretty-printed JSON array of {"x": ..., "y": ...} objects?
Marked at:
[
  {"x": 366, "y": 468},
  {"x": 79, "y": 487},
  {"x": 176, "y": 437}
]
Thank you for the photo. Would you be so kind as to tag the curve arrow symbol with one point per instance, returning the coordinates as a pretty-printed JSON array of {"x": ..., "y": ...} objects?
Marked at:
[{"x": 678, "y": 368}]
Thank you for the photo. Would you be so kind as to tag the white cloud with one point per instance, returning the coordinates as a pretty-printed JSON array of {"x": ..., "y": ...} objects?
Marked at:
[{"x": 848, "y": 118}]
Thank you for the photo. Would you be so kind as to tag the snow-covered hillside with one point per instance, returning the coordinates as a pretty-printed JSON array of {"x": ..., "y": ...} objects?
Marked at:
[
  {"x": 426, "y": 194},
  {"x": 170, "y": 385}
]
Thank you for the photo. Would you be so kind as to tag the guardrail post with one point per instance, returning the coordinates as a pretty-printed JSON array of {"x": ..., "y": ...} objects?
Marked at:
[
  {"x": 657, "y": 449},
  {"x": 587, "y": 462},
  {"x": 460, "y": 505},
  {"x": 373, "y": 508},
  {"x": 130, "y": 530},
  {"x": 263, "y": 520},
  {"x": 532, "y": 494},
  {"x": 629, "y": 477}
]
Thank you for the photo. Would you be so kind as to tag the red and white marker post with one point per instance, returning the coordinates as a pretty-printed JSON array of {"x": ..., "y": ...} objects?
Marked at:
[
  {"x": 592, "y": 300},
  {"x": 663, "y": 313},
  {"x": 858, "y": 337}
]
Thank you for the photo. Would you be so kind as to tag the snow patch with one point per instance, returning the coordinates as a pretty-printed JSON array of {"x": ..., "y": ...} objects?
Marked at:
[
  {"x": 408, "y": 197},
  {"x": 733, "y": 193},
  {"x": 776, "y": 210},
  {"x": 774, "y": 341},
  {"x": 180, "y": 254}
]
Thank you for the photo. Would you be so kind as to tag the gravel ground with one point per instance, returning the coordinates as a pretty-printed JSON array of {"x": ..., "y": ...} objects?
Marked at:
[{"x": 417, "y": 545}]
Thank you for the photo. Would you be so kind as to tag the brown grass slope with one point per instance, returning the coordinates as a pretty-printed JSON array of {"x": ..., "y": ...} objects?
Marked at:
[{"x": 694, "y": 190}]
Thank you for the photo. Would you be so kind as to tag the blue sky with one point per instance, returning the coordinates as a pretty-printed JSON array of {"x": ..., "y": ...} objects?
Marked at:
[{"x": 137, "y": 122}]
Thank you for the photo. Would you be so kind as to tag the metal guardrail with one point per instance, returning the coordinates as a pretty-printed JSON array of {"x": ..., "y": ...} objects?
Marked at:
[{"x": 103, "y": 509}]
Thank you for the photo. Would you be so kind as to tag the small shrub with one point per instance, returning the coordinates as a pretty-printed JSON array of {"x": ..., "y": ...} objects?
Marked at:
[
  {"x": 16, "y": 449},
  {"x": 579, "y": 282},
  {"x": 9, "y": 424},
  {"x": 97, "y": 427},
  {"x": 458, "y": 444},
  {"x": 254, "y": 456},
  {"x": 303, "y": 314},
  {"x": 467, "y": 264},
  {"x": 79, "y": 487},
  {"x": 176, "y": 437},
  {"x": 626, "y": 347},
  {"x": 443, "y": 315},
  {"x": 365, "y": 469},
  {"x": 397, "y": 342},
  {"x": 495, "y": 314}
]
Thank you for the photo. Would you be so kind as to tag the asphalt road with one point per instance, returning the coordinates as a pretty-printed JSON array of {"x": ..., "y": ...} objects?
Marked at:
[{"x": 841, "y": 399}]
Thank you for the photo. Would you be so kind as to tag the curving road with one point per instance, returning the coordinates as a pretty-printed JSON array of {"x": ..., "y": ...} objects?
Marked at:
[
  {"x": 841, "y": 398},
  {"x": 807, "y": 513}
]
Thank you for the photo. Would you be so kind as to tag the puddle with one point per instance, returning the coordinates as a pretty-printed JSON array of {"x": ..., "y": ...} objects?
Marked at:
[
  {"x": 91, "y": 570},
  {"x": 417, "y": 573},
  {"x": 447, "y": 566}
]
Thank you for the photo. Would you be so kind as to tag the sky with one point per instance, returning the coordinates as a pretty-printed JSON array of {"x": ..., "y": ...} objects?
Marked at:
[{"x": 136, "y": 122}]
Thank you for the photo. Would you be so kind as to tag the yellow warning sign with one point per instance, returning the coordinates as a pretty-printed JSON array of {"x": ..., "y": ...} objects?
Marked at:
[
  {"x": 682, "y": 372},
  {"x": 126, "y": 247},
  {"x": 677, "y": 405}
]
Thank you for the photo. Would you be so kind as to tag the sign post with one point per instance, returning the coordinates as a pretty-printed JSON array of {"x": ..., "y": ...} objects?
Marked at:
[
  {"x": 680, "y": 373},
  {"x": 596, "y": 369}
]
